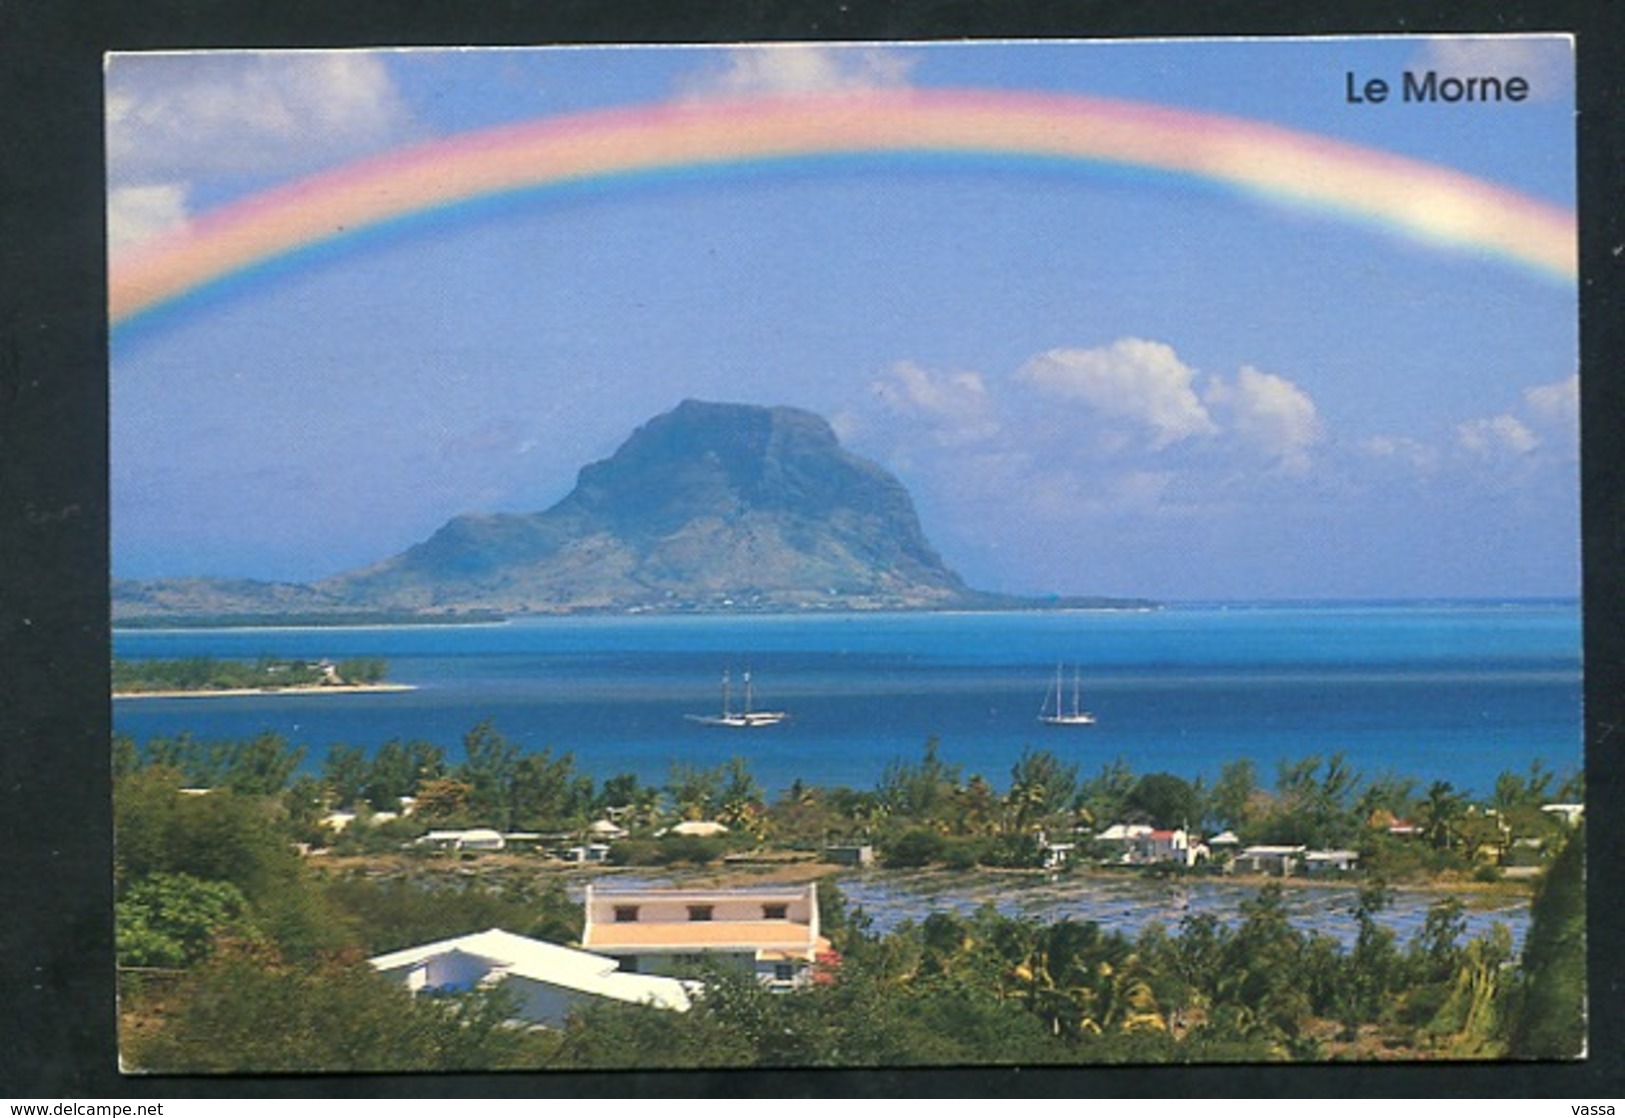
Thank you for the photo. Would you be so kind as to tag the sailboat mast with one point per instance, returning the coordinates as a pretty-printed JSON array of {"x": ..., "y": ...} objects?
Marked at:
[
  {"x": 747, "y": 692},
  {"x": 724, "y": 692}
]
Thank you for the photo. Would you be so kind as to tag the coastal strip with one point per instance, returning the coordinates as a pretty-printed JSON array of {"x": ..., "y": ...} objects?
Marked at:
[{"x": 247, "y": 692}]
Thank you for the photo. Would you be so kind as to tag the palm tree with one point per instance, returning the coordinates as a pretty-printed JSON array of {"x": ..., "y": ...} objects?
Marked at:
[{"x": 1439, "y": 813}]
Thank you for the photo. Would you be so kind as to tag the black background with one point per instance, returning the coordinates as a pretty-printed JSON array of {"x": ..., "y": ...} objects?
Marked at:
[{"x": 57, "y": 1017}]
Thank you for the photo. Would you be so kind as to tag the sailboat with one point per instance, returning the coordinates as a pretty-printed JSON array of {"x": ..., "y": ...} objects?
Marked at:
[
  {"x": 742, "y": 719},
  {"x": 1056, "y": 715}
]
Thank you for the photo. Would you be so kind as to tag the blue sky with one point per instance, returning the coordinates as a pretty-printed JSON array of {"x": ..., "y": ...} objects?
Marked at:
[{"x": 1091, "y": 383}]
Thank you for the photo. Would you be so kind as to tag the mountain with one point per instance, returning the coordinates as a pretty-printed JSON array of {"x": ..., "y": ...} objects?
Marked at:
[{"x": 706, "y": 507}]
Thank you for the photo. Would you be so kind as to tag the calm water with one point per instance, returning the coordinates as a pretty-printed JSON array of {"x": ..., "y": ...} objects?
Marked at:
[{"x": 1448, "y": 692}]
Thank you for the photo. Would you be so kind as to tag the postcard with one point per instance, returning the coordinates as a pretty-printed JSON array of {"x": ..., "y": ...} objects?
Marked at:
[{"x": 892, "y": 554}]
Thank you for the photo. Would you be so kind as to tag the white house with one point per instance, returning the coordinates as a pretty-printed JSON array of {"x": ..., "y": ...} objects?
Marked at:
[
  {"x": 769, "y": 932},
  {"x": 1330, "y": 861},
  {"x": 604, "y": 829},
  {"x": 476, "y": 838},
  {"x": 1169, "y": 846},
  {"x": 1571, "y": 814},
  {"x": 1277, "y": 860},
  {"x": 696, "y": 828},
  {"x": 547, "y": 980},
  {"x": 1141, "y": 844}
]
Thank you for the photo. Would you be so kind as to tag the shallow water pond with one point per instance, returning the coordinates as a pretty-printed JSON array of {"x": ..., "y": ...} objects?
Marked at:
[{"x": 1129, "y": 904}]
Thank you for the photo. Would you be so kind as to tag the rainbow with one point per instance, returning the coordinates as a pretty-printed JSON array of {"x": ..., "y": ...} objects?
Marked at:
[{"x": 1413, "y": 198}]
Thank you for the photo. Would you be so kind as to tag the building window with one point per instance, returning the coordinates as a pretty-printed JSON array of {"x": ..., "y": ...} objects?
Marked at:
[
  {"x": 689, "y": 960},
  {"x": 784, "y": 972},
  {"x": 629, "y": 964},
  {"x": 626, "y": 914},
  {"x": 775, "y": 912},
  {"x": 699, "y": 912}
]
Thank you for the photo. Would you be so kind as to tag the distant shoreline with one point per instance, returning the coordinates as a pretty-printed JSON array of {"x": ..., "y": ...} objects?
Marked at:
[{"x": 249, "y": 692}]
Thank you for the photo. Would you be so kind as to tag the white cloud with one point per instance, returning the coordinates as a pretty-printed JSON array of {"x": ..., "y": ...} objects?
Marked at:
[
  {"x": 1545, "y": 62},
  {"x": 954, "y": 406},
  {"x": 174, "y": 117},
  {"x": 1401, "y": 448},
  {"x": 1557, "y": 403},
  {"x": 799, "y": 69},
  {"x": 1132, "y": 379},
  {"x": 1271, "y": 414},
  {"x": 1501, "y": 434},
  {"x": 135, "y": 213}
]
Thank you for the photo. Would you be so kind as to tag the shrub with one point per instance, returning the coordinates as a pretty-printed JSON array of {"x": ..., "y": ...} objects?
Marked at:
[{"x": 914, "y": 848}]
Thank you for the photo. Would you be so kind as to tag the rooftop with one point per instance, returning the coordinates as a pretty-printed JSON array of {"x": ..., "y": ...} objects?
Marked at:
[
  {"x": 718, "y": 935},
  {"x": 550, "y": 963}
]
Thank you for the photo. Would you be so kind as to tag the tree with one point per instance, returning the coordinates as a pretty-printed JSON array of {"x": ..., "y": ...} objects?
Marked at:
[
  {"x": 262, "y": 766},
  {"x": 490, "y": 761},
  {"x": 362, "y": 670},
  {"x": 221, "y": 837},
  {"x": 389, "y": 777},
  {"x": 1373, "y": 967},
  {"x": 740, "y": 800},
  {"x": 1435, "y": 953},
  {"x": 345, "y": 772},
  {"x": 693, "y": 790},
  {"x": 543, "y": 790},
  {"x": 1442, "y": 808},
  {"x": 443, "y": 800},
  {"x": 1233, "y": 793},
  {"x": 305, "y": 803},
  {"x": 247, "y": 1010},
  {"x": 914, "y": 848},
  {"x": 1550, "y": 1019},
  {"x": 1103, "y": 797},
  {"x": 920, "y": 792},
  {"x": 173, "y": 919},
  {"x": 1164, "y": 799},
  {"x": 1041, "y": 786}
]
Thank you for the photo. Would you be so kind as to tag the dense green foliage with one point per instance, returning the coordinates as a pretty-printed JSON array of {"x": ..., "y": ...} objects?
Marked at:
[
  {"x": 247, "y": 1010},
  {"x": 204, "y": 673},
  {"x": 269, "y": 948},
  {"x": 1551, "y": 1017},
  {"x": 920, "y": 812},
  {"x": 173, "y": 919}
]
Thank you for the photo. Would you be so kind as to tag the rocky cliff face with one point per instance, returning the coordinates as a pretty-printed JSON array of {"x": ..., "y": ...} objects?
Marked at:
[{"x": 706, "y": 506}]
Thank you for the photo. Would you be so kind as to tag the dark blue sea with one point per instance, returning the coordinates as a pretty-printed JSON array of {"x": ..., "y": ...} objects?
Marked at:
[{"x": 1451, "y": 691}]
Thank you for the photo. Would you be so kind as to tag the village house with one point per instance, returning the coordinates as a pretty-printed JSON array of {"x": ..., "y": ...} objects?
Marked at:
[
  {"x": 1169, "y": 846},
  {"x": 475, "y": 838},
  {"x": 1139, "y": 844},
  {"x": 546, "y": 979},
  {"x": 1279, "y": 861},
  {"x": 1570, "y": 814},
  {"x": 769, "y": 932},
  {"x": 1319, "y": 862},
  {"x": 1118, "y": 842},
  {"x": 850, "y": 854}
]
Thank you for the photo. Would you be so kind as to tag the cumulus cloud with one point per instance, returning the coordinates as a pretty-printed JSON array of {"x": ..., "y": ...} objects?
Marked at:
[
  {"x": 174, "y": 120},
  {"x": 799, "y": 69},
  {"x": 172, "y": 117},
  {"x": 1401, "y": 448},
  {"x": 1271, "y": 414},
  {"x": 1503, "y": 434},
  {"x": 1556, "y": 403},
  {"x": 135, "y": 213},
  {"x": 1134, "y": 379},
  {"x": 955, "y": 406}
]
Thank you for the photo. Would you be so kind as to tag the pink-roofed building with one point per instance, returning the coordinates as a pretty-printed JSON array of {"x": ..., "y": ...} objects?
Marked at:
[{"x": 769, "y": 932}]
